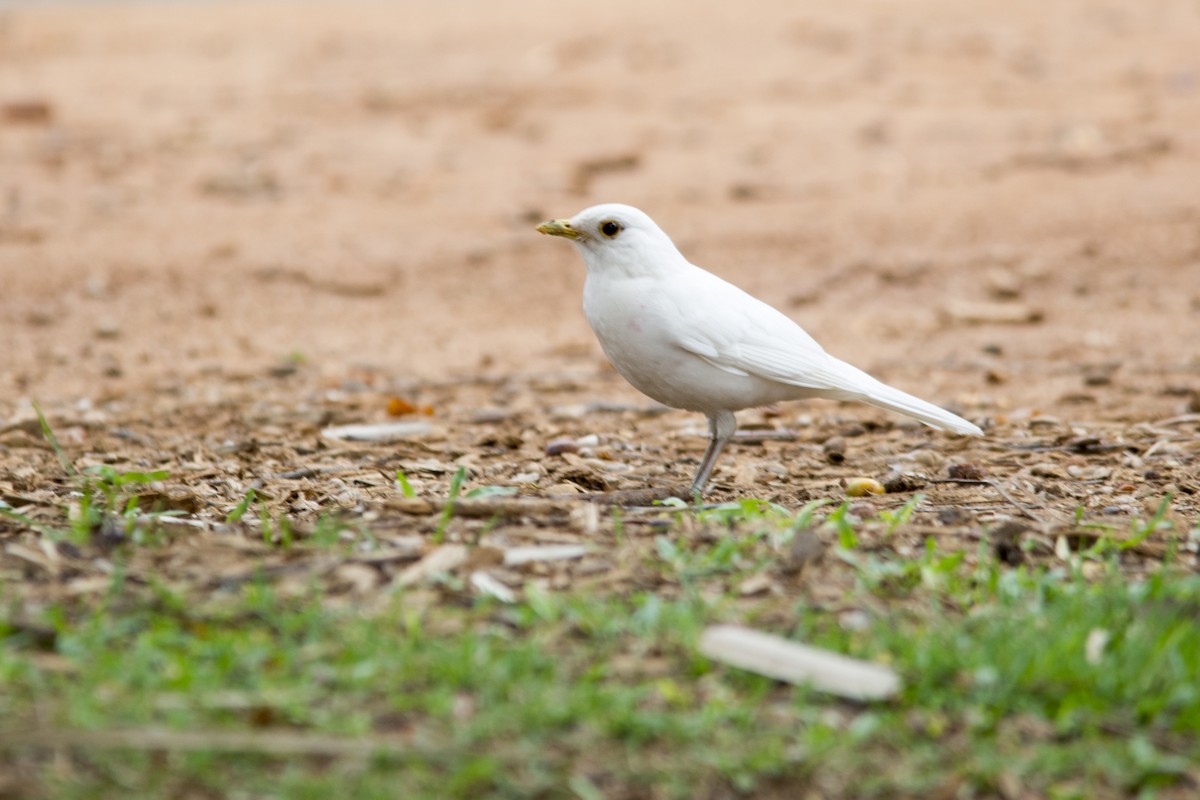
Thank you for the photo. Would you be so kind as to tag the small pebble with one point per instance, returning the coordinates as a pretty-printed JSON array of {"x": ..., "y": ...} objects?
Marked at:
[
  {"x": 557, "y": 447},
  {"x": 835, "y": 450},
  {"x": 854, "y": 620},
  {"x": 966, "y": 472},
  {"x": 108, "y": 329},
  {"x": 953, "y": 516},
  {"x": 898, "y": 482},
  {"x": 926, "y": 458},
  {"x": 862, "y": 511},
  {"x": 1003, "y": 284},
  {"x": 486, "y": 416},
  {"x": 806, "y": 548}
]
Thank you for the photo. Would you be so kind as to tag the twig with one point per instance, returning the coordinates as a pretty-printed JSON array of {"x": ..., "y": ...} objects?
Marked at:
[
  {"x": 478, "y": 507},
  {"x": 1180, "y": 420},
  {"x": 277, "y": 743},
  {"x": 1000, "y": 490},
  {"x": 751, "y": 436},
  {"x": 637, "y": 497}
]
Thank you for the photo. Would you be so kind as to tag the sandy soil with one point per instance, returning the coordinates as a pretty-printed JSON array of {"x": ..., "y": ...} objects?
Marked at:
[{"x": 224, "y": 227}]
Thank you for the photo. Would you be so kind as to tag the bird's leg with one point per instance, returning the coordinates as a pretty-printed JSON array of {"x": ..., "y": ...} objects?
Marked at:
[{"x": 722, "y": 426}]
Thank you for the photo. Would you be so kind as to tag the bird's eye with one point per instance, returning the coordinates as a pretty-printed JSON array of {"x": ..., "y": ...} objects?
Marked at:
[{"x": 610, "y": 228}]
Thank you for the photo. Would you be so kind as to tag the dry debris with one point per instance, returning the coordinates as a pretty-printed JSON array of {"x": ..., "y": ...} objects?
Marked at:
[{"x": 521, "y": 514}]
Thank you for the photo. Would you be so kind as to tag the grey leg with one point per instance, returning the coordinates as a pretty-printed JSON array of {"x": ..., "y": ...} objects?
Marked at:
[{"x": 722, "y": 426}]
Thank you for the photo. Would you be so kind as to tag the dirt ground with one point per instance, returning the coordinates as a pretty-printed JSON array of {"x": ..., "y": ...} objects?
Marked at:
[{"x": 225, "y": 228}]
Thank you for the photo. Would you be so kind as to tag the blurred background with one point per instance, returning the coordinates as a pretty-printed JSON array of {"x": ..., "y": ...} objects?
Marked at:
[{"x": 1003, "y": 195}]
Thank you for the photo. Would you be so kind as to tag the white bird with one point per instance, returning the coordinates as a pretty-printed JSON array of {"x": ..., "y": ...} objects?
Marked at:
[{"x": 690, "y": 340}]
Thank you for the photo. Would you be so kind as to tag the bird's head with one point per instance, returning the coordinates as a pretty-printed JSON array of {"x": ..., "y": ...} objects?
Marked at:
[{"x": 615, "y": 238}]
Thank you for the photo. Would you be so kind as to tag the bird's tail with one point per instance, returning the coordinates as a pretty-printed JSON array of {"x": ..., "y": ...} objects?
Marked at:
[{"x": 876, "y": 393}]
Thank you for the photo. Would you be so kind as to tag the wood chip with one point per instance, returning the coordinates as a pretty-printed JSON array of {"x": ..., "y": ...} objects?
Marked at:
[
  {"x": 484, "y": 583},
  {"x": 445, "y": 558},
  {"x": 515, "y": 556},
  {"x": 383, "y": 432},
  {"x": 759, "y": 583},
  {"x": 39, "y": 559},
  {"x": 789, "y": 661},
  {"x": 17, "y": 438}
]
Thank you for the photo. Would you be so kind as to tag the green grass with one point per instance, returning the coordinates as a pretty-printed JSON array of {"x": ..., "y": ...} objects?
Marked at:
[{"x": 589, "y": 692}]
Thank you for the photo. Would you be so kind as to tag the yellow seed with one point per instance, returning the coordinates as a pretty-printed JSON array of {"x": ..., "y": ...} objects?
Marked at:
[{"x": 861, "y": 487}]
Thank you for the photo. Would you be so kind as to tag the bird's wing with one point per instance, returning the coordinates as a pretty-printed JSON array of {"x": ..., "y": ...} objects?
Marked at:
[
  {"x": 743, "y": 336},
  {"x": 804, "y": 367},
  {"x": 708, "y": 351}
]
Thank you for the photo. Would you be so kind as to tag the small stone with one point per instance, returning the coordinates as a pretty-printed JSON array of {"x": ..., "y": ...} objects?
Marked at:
[
  {"x": 806, "y": 549},
  {"x": 854, "y": 620},
  {"x": 966, "y": 472},
  {"x": 1003, "y": 284},
  {"x": 576, "y": 411},
  {"x": 1006, "y": 542},
  {"x": 1100, "y": 374},
  {"x": 488, "y": 416},
  {"x": 108, "y": 329},
  {"x": 556, "y": 447},
  {"x": 835, "y": 450},
  {"x": 926, "y": 458},
  {"x": 96, "y": 286},
  {"x": 1047, "y": 471},
  {"x": 953, "y": 516},
  {"x": 862, "y": 511},
  {"x": 899, "y": 482}
]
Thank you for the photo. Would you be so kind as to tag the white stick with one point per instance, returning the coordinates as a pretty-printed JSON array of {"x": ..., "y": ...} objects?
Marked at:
[{"x": 797, "y": 663}]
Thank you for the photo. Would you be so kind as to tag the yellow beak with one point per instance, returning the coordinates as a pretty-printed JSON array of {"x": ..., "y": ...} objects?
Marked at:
[{"x": 560, "y": 227}]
